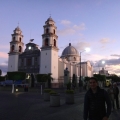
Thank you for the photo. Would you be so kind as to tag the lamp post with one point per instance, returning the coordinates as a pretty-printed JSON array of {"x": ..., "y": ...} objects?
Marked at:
[
  {"x": 80, "y": 70},
  {"x": 87, "y": 50}
]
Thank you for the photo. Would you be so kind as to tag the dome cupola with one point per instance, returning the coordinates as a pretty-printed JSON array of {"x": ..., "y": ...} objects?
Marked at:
[{"x": 70, "y": 54}]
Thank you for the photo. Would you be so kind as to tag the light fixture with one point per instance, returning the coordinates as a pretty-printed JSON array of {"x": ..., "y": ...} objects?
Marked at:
[{"x": 29, "y": 47}]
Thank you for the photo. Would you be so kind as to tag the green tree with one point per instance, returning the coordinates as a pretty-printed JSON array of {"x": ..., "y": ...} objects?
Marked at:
[
  {"x": 48, "y": 77},
  {"x": 0, "y": 72}
]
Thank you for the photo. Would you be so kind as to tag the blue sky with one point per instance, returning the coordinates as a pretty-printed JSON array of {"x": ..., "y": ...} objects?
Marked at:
[{"x": 83, "y": 23}]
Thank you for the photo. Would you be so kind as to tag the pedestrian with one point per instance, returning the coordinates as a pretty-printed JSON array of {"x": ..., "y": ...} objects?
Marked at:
[
  {"x": 116, "y": 94},
  {"x": 111, "y": 95},
  {"x": 95, "y": 102}
]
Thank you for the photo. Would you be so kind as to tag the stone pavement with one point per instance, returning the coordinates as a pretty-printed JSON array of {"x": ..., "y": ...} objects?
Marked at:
[{"x": 31, "y": 106}]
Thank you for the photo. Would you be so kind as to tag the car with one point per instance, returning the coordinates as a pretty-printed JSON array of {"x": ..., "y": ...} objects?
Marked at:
[{"x": 6, "y": 82}]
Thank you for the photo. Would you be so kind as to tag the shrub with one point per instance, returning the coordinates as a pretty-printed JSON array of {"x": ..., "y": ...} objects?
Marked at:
[
  {"x": 53, "y": 93},
  {"x": 70, "y": 91},
  {"x": 16, "y": 75},
  {"x": 47, "y": 90}
]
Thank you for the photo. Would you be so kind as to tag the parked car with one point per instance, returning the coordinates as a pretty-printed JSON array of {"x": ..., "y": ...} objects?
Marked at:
[{"x": 6, "y": 82}]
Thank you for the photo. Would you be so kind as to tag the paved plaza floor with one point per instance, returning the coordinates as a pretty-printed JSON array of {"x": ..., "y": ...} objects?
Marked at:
[{"x": 31, "y": 106}]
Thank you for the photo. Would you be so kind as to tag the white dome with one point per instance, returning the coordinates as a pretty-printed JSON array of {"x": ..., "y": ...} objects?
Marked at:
[{"x": 70, "y": 50}]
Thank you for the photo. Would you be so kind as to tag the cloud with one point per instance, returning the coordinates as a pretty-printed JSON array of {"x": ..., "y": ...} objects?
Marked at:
[
  {"x": 80, "y": 46},
  {"x": 115, "y": 55},
  {"x": 3, "y": 55},
  {"x": 111, "y": 65},
  {"x": 79, "y": 27},
  {"x": 104, "y": 40},
  {"x": 70, "y": 29},
  {"x": 65, "y": 22},
  {"x": 66, "y": 31}
]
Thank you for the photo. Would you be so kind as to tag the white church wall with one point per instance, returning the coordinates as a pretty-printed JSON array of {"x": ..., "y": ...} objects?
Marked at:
[
  {"x": 13, "y": 63},
  {"x": 54, "y": 66},
  {"x": 49, "y": 63},
  {"x": 61, "y": 69},
  {"x": 45, "y": 63}
]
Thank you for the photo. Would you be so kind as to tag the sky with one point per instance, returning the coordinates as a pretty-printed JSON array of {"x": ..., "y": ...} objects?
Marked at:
[{"x": 83, "y": 23}]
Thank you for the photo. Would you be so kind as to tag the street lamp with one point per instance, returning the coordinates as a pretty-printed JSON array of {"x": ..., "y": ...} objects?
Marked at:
[{"x": 87, "y": 50}]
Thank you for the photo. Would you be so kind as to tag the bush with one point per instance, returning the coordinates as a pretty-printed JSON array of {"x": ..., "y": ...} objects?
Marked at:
[
  {"x": 53, "y": 93},
  {"x": 68, "y": 85},
  {"x": 41, "y": 77},
  {"x": 16, "y": 75},
  {"x": 2, "y": 78},
  {"x": 70, "y": 91},
  {"x": 47, "y": 90}
]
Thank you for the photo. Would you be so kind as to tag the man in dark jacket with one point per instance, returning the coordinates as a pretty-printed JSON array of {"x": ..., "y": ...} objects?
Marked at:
[{"x": 95, "y": 102}]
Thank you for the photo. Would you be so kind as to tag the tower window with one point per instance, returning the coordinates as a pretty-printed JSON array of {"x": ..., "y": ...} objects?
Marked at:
[
  {"x": 12, "y": 48},
  {"x": 46, "y": 42},
  {"x": 13, "y": 38},
  {"x": 20, "y": 39},
  {"x": 29, "y": 62},
  {"x": 47, "y": 30},
  {"x": 54, "y": 42},
  {"x": 54, "y": 31},
  {"x": 20, "y": 49}
]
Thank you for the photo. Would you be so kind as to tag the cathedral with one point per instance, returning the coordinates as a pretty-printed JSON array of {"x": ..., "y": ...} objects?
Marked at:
[{"x": 45, "y": 59}]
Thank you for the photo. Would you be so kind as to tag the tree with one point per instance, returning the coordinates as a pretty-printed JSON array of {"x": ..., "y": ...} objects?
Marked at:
[
  {"x": 0, "y": 72},
  {"x": 48, "y": 77}
]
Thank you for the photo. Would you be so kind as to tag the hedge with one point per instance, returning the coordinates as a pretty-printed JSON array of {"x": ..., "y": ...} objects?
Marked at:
[
  {"x": 2, "y": 78},
  {"x": 16, "y": 75}
]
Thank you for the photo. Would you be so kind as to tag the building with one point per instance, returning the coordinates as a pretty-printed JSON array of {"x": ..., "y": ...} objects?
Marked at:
[
  {"x": 45, "y": 59},
  {"x": 104, "y": 72}
]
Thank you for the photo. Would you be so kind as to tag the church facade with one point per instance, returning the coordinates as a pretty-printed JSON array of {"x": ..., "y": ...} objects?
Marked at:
[{"x": 45, "y": 59}]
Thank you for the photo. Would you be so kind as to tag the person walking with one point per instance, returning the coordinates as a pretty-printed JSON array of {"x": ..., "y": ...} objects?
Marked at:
[
  {"x": 111, "y": 95},
  {"x": 95, "y": 102},
  {"x": 116, "y": 95}
]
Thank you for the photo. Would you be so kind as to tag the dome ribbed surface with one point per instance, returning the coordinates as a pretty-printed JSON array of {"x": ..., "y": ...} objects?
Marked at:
[{"x": 70, "y": 50}]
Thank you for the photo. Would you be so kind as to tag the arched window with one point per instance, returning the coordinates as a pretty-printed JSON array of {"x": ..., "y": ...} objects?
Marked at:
[
  {"x": 20, "y": 39},
  {"x": 13, "y": 38},
  {"x": 46, "y": 42},
  {"x": 74, "y": 58},
  {"x": 54, "y": 31},
  {"x": 12, "y": 48},
  {"x": 54, "y": 42},
  {"x": 20, "y": 49},
  {"x": 47, "y": 30}
]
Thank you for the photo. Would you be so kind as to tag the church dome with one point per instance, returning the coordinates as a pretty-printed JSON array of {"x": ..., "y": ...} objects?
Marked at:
[{"x": 70, "y": 50}]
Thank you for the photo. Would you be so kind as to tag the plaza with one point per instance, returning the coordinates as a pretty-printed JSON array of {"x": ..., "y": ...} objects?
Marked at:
[{"x": 31, "y": 106}]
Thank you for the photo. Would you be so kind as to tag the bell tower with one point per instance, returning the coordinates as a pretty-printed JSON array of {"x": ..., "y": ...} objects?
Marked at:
[
  {"x": 16, "y": 48},
  {"x": 49, "y": 50}
]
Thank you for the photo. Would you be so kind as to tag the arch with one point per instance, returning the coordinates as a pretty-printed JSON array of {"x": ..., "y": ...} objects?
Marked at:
[
  {"x": 12, "y": 48},
  {"x": 20, "y": 49},
  {"x": 13, "y": 38},
  {"x": 74, "y": 58},
  {"x": 54, "y": 42},
  {"x": 54, "y": 31},
  {"x": 46, "y": 42},
  {"x": 47, "y": 30},
  {"x": 20, "y": 39}
]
